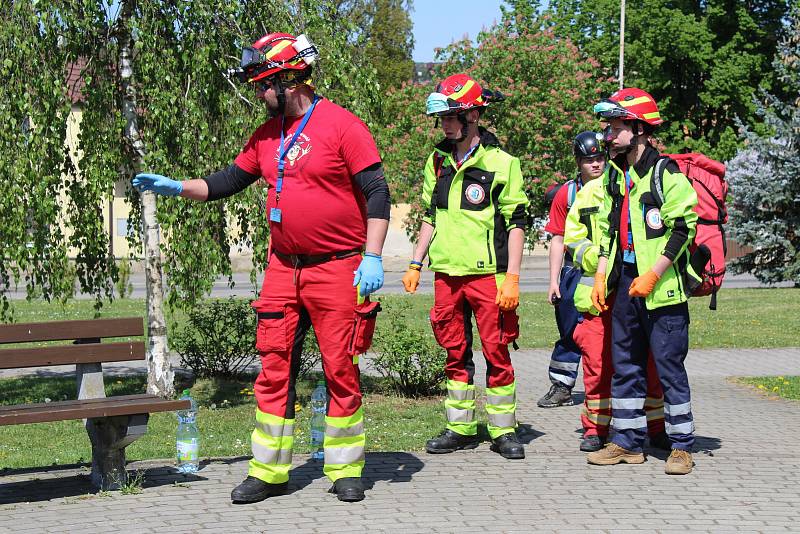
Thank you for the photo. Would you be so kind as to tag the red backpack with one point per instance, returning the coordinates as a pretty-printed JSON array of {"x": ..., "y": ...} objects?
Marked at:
[{"x": 708, "y": 250}]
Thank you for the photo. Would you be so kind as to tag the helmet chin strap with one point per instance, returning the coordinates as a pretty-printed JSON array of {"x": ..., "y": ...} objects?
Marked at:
[
  {"x": 280, "y": 93},
  {"x": 632, "y": 144},
  {"x": 464, "y": 127}
]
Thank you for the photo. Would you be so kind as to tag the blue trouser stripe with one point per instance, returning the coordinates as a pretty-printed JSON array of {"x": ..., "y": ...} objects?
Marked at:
[
  {"x": 665, "y": 331},
  {"x": 566, "y": 352}
]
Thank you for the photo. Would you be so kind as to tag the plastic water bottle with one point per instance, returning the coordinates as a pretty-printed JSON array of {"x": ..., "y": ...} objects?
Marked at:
[
  {"x": 319, "y": 403},
  {"x": 188, "y": 437}
]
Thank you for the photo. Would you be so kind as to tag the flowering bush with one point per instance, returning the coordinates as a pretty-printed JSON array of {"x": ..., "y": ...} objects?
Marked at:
[{"x": 550, "y": 90}]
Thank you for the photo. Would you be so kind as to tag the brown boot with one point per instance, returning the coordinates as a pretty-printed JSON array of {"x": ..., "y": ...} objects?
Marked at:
[
  {"x": 613, "y": 454},
  {"x": 679, "y": 463}
]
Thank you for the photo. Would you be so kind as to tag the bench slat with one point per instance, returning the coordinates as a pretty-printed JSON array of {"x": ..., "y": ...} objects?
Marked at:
[
  {"x": 88, "y": 408},
  {"x": 123, "y": 351},
  {"x": 63, "y": 330}
]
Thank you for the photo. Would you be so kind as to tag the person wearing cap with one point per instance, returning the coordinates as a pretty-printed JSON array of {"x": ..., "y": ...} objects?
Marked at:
[
  {"x": 328, "y": 210},
  {"x": 592, "y": 331},
  {"x": 473, "y": 232},
  {"x": 646, "y": 224},
  {"x": 565, "y": 359}
]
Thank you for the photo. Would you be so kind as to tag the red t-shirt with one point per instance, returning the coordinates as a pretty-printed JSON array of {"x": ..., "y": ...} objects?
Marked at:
[
  {"x": 322, "y": 208},
  {"x": 558, "y": 212}
]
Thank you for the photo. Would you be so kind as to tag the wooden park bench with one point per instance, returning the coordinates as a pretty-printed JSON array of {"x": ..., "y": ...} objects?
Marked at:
[{"x": 112, "y": 423}]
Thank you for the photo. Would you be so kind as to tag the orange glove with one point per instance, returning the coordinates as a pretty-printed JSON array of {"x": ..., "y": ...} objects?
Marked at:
[
  {"x": 643, "y": 285},
  {"x": 599, "y": 292},
  {"x": 411, "y": 279},
  {"x": 508, "y": 294}
]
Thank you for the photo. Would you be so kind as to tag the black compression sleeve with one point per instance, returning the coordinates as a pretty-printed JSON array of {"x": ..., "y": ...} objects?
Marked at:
[
  {"x": 373, "y": 184},
  {"x": 228, "y": 182}
]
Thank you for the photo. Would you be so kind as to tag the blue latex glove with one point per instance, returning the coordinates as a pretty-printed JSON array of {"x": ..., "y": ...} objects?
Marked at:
[
  {"x": 157, "y": 184},
  {"x": 369, "y": 275}
]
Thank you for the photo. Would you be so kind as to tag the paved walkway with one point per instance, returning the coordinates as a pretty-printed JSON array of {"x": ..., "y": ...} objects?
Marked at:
[{"x": 746, "y": 478}]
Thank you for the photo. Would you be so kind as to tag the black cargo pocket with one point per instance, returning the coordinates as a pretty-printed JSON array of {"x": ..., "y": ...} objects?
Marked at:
[
  {"x": 476, "y": 189},
  {"x": 509, "y": 327},
  {"x": 271, "y": 328},
  {"x": 441, "y": 190},
  {"x": 447, "y": 332},
  {"x": 363, "y": 328}
]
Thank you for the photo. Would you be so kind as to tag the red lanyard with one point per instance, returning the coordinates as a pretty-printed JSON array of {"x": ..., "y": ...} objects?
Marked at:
[{"x": 625, "y": 216}]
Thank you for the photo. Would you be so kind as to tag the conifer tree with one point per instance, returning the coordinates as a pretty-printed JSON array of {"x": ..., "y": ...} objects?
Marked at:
[{"x": 765, "y": 180}]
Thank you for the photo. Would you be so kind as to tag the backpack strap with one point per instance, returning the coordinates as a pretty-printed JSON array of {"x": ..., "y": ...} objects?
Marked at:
[
  {"x": 657, "y": 181},
  {"x": 572, "y": 191},
  {"x": 438, "y": 160}
]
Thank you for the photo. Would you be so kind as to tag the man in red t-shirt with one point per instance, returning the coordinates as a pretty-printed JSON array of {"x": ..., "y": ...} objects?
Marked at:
[{"x": 328, "y": 211}]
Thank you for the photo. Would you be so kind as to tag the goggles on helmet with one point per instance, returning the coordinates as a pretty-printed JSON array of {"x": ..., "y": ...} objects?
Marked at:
[
  {"x": 608, "y": 109},
  {"x": 254, "y": 61}
]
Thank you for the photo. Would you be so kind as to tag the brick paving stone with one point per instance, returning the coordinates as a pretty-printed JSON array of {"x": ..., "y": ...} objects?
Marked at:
[{"x": 745, "y": 477}]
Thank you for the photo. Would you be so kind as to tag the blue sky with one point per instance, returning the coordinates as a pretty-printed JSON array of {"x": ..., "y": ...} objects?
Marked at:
[{"x": 437, "y": 23}]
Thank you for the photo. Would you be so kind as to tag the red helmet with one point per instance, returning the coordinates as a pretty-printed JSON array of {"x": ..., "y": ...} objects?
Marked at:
[
  {"x": 456, "y": 93},
  {"x": 273, "y": 53},
  {"x": 630, "y": 104}
]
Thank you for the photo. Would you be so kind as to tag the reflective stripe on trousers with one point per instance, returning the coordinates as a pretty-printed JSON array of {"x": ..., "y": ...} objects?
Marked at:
[
  {"x": 628, "y": 414},
  {"x": 460, "y": 408},
  {"x": 678, "y": 418},
  {"x": 344, "y": 446},
  {"x": 501, "y": 407},
  {"x": 566, "y": 356},
  {"x": 272, "y": 441}
]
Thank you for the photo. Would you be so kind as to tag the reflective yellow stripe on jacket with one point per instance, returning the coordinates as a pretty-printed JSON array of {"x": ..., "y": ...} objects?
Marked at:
[{"x": 582, "y": 233}]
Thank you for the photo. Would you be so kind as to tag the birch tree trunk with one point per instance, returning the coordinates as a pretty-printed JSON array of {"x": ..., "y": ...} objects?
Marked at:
[{"x": 159, "y": 372}]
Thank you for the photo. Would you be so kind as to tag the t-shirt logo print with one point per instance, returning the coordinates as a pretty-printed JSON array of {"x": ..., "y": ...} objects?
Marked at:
[
  {"x": 300, "y": 148},
  {"x": 474, "y": 194}
]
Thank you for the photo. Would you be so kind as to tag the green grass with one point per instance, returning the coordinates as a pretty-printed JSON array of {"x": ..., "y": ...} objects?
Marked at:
[
  {"x": 787, "y": 387},
  {"x": 756, "y": 318},
  {"x": 745, "y": 318},
  {"x": 226, "y": 418}
]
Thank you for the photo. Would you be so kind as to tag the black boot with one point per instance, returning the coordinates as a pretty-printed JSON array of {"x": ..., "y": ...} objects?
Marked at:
[
  {"x": 449, "y": 441},
  {"x": 661, "y": 441},
  {"x": 559, "y": 395},
  {"x": 255, "y": 490},
  {"x": 508, "y": 446},
  {"x": 348, "y": 489},
  {"x": 592, "y": 443}
]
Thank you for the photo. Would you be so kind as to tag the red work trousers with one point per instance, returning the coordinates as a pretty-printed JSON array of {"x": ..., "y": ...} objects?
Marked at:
[
  {"x": 593, "y": 337},
  {"x": 321, "y": 295},
  {"x": 455, "y": 299}
]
